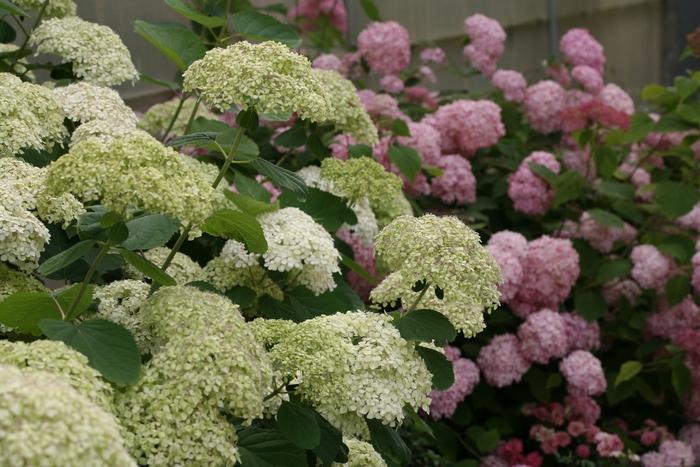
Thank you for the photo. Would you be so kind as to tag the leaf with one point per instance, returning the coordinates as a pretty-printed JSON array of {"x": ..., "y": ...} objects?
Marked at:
[
  {"x": 677, "y": 288},
  {"x": 628, "y": 370},
  {"x": 298, "y": 424},
  {"x": 159, "y": 82},
  {"x": 249, "y": 187},
  {"x": 266, "y": 447},
  {"x": 66, "y": 297},
  {"x": 680, "y": 379},
  {"x": 341, "y": 298},
  {"x": 388, "y": 443},
  {"x": 11, "y": 8},
  {"x": 247, "y": 150},
  {"x": 248, "y": 119},
  {"x": 280, "y": 176},
  {"x": 689, "y": 112},
  {"x": 590, "y": 304},
  {"x": 259, "y": 27},
  {"x": 355, "y": 267},
  {"x": 370, "y": 9},
  {"x": 175, "y": 41},
  {"x": 567, "y": 187},
  {"x": 543, "y": 171},
  {"x": 653, "y": 92},
  {"x": 606, "y": 218},
  {"x": 327, "y": 209},
  {"x": 359, "y": 150},
  {"x": 109, "y": 347},
  {"x": 250, "y": 205},
  {"x": 201, "y": 18},
  {"x": 65, "y": 258},
  {"x": 150, "y": 231},
  {"x": 612, "y": 270},
  {"x": 606, "y": 161},
  {"x": 487, "y": 440},
  {"x": 7, "y": 32},
  {"x": 24, "y": 310},
  {"x": 427, "y": 326},
  {"x": 640, "y": 126},
  {"x": 331, "y": 448},
  {"x": 439, "y": 366},
  {"x": 147, "y": 268},
  {"x": 245, "y": 228},
  {"x": 675, "y": 198},
  {"x": 292, "y": 138},
  {"x": 406, "y": 159},
  {"x": 617, "y": 190},
  {"x": 399, "y": 128},
  {"x": 199, "y": 139}
]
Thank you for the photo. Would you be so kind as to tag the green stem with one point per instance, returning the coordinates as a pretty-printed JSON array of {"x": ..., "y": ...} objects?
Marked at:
[
  {"x": 275, "y": 392},
  {"x": 224, "y": 168},
  {"x": 175, "y": 115},
  {"x": 192, "y": 116},
  {"x": 27, "y": 36},
  {"x": 86, "y": 280},
  {"x": 417, "y": 300}
]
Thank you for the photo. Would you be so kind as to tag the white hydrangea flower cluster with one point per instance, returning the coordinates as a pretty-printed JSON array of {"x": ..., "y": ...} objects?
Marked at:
[
  {"x": 446, "y": 254},
  {"x": 57, "y": 358},
  {"x": 267, "y": 76},
  {"x": 134, "y": 173},
  {"x": 98, "y": 54},
  {"x": 19, "y": 67},
  {"x": 120, "y": 302},
  {"x": 22, "y": 236},
  {"x": 299, "y": 245},
  {"x": 158, "y": 117},
  {"x": 360, "y": 454},
  {"x": 349, "y": 115},
  {"x": 205, "y": 362},
  {"x": 182, "y": 268},
  {"x": 12, "y": 281},
  {"x": 54, "y": 8},
  {"x": 30, "y": 118},
  {"x": 45, "y": 421},
  {"x": 102, "y": 131},
  {"x": 349, "y": 365},
  {"x": 223, "y": 274}
]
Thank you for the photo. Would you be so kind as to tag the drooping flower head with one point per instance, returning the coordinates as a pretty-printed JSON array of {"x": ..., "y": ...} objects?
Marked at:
[
  {"x": 385, "y": 46},
  {"x": 530, "y": 193},
  {"x": 97, "y": 53},
  {"x": 486, "y": 43},
  {"x": 267, "y": 76},
  {"x": 579, "y": 47},
  {"x": 466, "y": 126},
  {"x": 30, "y": 118},
  {"x": 461, "y": 276}
]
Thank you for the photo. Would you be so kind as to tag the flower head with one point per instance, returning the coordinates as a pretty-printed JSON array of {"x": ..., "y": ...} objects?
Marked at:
[
  {"x": 85, "y": 102},
  {"x": 457, "y": 183},
  {"x": 466, "y": 126},
  {"x": 583, "y": 372},
  {"x": 544, "y": 102},
  {"x": 444, "y": 403},
  {"x": 543, "y": 336},
  {"x": 508, "y": 249},
  {"x": 502, "y": 362},
  {"x": 361, "y": 454},
  {"x": 386, "y": 47},
  {"x": 530, "y": 193},
  {"x": 486, "y": 42},
  {"x": 54, "y": 8},
  {"x": 650, "y": 268},
  {"x": 579, "y": 47},
  {"x": 511, "y": 83}
]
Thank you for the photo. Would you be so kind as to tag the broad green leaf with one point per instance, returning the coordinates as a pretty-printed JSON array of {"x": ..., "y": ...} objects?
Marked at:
[
  {"x": 689, "y": 112},
  {"x": 175, "y": 41},
  {"x": 680, "y": 379},
  {"x": 331, "y": 448},
  {"x": 606, "y": 161},
  {"x": 612, "y": 270},
  {"x": 307, "y": 305},
  {"x": 11, "y": 8},
  {"x": 247, "y": 149},
  {"x": 250, "y": 205},
  {"x": 640, "y": 126},
  {"x": 298, "y": 424},
  {"x": 355, "y": 267},
  {"x": 7, "y": 32},
  {"x": 672, "y": 122},
  {"x": 686, "y": 87},
  {"x": 256, "y": 26},
  {"x": 406, "y": 159},
  {"x": 267, "y": 447},
  {"x": 24, "y": 310},
  {"x": 371, "y": 10},
  {"x": 65, "y": 258},
  {"x": 399, "y": 128},
  {"x": 241, "y": 296},
  {"x": 248, "y": 119},
  {"x": 280, "y": 176},
  {"x": 327, "y": 209},
  {"x": 160, "y": 82},
  {"x": 426, "y": 325},
  {"x": 150, "y": 231},
  {"x": 628, "y": 370},
  {"x": 617, "y": 190},
  {"x": 675, "y": 198},
  {"x": 66, "y": 297},
  {"x": 147, "y": 268},
  {"x": 653, "y": 92},
  {"x": 194, "y": 15},
  {"x": 487, "y": 440},
  {"x": 387, "y": 442},
  {"x": 590, "y": 304},
  {"x": 439, "y": 366},
  {"x": 359, "y": 150},
  {"x": 544, "y": 172},
  {"x": 677, "y": 288},
  {"x": 606, "y": 218},
  {"x": 109, "y": 347},
  {"x": 199, "y": 139},
  {"x": 243, "y": 227},
  {"x": 249, "y": 187},
  {"x": 292, "y": 138},
  {"x": 567, "y": 187}
]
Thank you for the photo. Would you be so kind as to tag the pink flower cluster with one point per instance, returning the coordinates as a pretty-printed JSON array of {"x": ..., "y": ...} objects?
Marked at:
[
  {"x": 511, "y": 83},
  {"x": 391, "y": 84},
  {"x": 579, "y": 47},
  {"x": 457, "y": 184},
  {"x": 466, "y": 126},
  {"x": 581, "y": 334},
  {"x": 385, "y": 46},
  {"x": 670, "y": 454},
  {"x": 544, "y": 102},
  {"x": 425, "y": 139},
  {"x": 330, "y": 62},
  {"x": 381, "y": 107},
  {"x": 444, "y": 403},
  {"x": 584, "y": 373},
  {"x": 502, "y": 362},
  {"x": 512, "y": 452},
  {"x": 696, "y": 272},
  {"x": 433, "y": 55},
  {"x": 599, "y": 236},
  {"x": 615, "y": 97},
  {"x": 667, "y": 322},
  {"x": 309, "y": 11},
  {"x": 508, "y": 249},
  {"x": 589, "y": 78},
  {"x": 543, "y": 336},
  {"x": 530, "y": 193},
  {"x": 690, "y": 435},
  {"x": 486, "y": 43},
  {"x": 650, "y": 268}
]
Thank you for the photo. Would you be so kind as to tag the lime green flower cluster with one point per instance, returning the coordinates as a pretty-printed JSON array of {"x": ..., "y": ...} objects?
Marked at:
[
  {"x": 30, "y": 118},
  {"x": 267, "y": 76},
  {"x": 224, "y": 275},
  {"x": 349, "y": 115},
  {"x": 98, "y": 54},
  {"x": 12, "y": 281},
  {"x": 182, "y": 268},
  {"x": 462, "y": 278},
  {"x": 21, "y": 66},
  {"x": 120, "y": 302},
  {"x": 157, "y": 119},
  {"x": 205, "y": 363},
  {"x": 45, "y": 421},
  {"x": 361, "y": 454},
  {"x": 349, "y": 365},
  {"x": 134, "y": 173},
  {"x": 54, "y": 8}
]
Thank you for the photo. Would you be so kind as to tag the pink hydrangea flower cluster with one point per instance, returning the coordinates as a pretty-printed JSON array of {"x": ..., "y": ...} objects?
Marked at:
[
  {"x": 608, "y": 445},
  {"x": 486, "y": 43},
  {"x": 543, "y": 336},
  {"x": 615, "y": 97},
  {"x": 433, "y": 55},
  {"x": 391, "y": 84},
  {"x": 579, "y": 47},
  {"x": 444, "y": 403},
  {"x": 695, "y": 281},
  {"x": 544, "y": 102},
  {"x": 671, "y": 454},
  {"x": 601, "y": 237},
  {"x": 583, "y": 407},
  {"x": 427, "y": 74},
  {"x": 466, "y": 126},
  {"x": 501, "y": 361},
  {"x": 580, "y": 334},
  {"x": 511, "y": 83},
  {"x": 513, "y": 453},
  {"x": 385, "y": 46},
  {"x": 309, "y": 11},
  {"x": 667, "y": 322},
  {"x": 691, "y": 220},
  {"x": 530, "y": 193},
  {"x": 457, "y": 184},
  {"x": 650, "y": 268},
  {"x": 583, "y": 372},
  {"x": 589, "y": 78},
  {"x": 508, "y": 249},
  {"x": 381, "y": 107},
  {"x": 425, "y": 139},
  {"x": 690, "y": 435},
  {"x": 330, "y": 62},
  {"x": 421, "y": 95},
  {"x": 579, "y": 160},
  {"x": 615, "y": 289}
]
